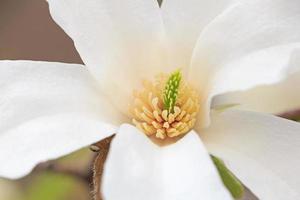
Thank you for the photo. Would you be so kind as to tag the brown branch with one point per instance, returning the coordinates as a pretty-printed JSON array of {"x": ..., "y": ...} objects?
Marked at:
[
  {"x": 102, "y": 149},
  {"x": 291, "y": 114}
]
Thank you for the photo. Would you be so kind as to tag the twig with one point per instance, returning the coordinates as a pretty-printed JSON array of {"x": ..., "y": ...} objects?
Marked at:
[
  {"x": 102, "y": 149},
  {"x": 291, "y": 114}
]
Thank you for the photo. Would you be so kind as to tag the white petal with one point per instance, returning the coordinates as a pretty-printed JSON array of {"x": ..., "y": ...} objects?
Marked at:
[
  {"x": 261, "y": 150},
  {"x": 276, "y": 98},
  {"x": 184, "y": 21},
  {"x": 248, "y": 45},
  {"x": 121, "y": 41},
  {"x": 137, "y": 169},
  {"x": 48, "y": 110}
]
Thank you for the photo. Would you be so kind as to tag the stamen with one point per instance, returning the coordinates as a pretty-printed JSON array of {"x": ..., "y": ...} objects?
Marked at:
[
  {"x": 157, "y": 116},
  {"x": 153, "y": 117},
  {"x": 165, "y": 115},
  {"x": 166, "y": 125}
]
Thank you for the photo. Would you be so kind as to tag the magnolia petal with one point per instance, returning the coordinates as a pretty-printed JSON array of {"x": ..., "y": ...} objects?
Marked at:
[
  {"x": 250, "y": 65},
  {"x": 121, "y": 41},
  {"x": 276, "y": 98},
  {"x": 249, "y": 44},
  {"x": 48, "y": 110},
  {"x": 184, "y": 21},
  {"x": 240, "y": 47},
  {"x": 138, "y": 169},
  {"x": 261, "y": 150}
]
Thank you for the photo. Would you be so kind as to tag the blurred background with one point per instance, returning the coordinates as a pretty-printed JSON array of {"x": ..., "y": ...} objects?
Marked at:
[{"x": 28, "y": 33}]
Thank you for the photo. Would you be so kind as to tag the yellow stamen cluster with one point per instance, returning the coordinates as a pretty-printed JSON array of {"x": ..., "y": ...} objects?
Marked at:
[{"x": 151, "y": 117}]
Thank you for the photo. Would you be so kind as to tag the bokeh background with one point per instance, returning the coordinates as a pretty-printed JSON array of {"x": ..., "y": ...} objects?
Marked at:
[{"x": 28, "y": 33}]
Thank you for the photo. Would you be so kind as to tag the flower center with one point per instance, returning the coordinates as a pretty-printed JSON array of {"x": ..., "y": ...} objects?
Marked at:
[{"x": 165, "y": 108}]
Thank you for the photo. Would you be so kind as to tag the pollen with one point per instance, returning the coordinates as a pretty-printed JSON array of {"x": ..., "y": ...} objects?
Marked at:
[{"x": 166, "y": 107}]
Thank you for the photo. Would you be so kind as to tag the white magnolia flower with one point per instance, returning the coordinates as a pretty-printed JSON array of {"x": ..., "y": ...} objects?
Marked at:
[{"x": 51, "y": 109}]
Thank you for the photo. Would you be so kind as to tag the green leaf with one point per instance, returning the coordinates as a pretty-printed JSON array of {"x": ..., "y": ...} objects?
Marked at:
[{"x": 234, "y": 186}]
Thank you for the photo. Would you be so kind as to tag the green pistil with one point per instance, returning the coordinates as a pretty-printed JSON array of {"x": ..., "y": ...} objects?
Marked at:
[{"x": 170, "y": 92}]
